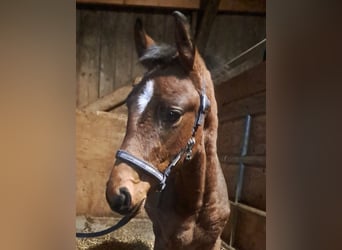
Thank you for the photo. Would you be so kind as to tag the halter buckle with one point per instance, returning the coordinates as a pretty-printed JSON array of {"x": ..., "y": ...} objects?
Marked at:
[{"x": 189, "y": 147}]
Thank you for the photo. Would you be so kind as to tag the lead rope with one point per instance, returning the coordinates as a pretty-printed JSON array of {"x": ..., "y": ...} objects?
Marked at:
[{"x": 123, "y": 221}]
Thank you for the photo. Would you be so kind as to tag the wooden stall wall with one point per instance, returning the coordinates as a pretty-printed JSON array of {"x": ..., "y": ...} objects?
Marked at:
[
  {"x": 107, "y": 61},
  {"x": 106, "y": 57},
  {"x": 242, "y": 95}
]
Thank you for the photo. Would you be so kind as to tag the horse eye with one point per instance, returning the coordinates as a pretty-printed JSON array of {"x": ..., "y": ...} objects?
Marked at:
[{"x": 172, "y": 116}]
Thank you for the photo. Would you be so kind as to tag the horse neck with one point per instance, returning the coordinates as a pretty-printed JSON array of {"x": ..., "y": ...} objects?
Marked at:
[
  {"x": 197, "y": 178},
  {"x": 189, "y": 182}
]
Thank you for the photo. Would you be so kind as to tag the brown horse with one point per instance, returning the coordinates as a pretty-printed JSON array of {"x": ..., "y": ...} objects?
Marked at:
[{"x": 168, "y": 160}]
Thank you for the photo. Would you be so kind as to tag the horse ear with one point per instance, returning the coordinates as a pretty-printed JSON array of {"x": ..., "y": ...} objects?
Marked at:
[
  {"x": 185, "y": 46},
  {"x": 142, "y": 40}
]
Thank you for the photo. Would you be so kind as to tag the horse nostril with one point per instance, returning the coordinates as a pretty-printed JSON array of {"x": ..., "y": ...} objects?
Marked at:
[
  {"x": 126, "y": 197},
  {"x": 121, "y": 202}
]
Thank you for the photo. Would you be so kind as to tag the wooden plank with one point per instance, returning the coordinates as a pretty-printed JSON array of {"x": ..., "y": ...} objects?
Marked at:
[
  {"x": 239, "y": 33},
  {"x": 89, "y": 51},
  {"x": 121, "y": 2},
  {"x": 254, "y": 188},
  {"x": 110, "y": 101},
  {"x": 230, "y": 172},
  {"x": 137, "y": 68},
  {"x": 230, "y": 136},
  {"x": 193, "y": 22},
  {"x": 108, "y": 53},
  {"x": 257, "y": 161},
  {"x": 220, "y": 41},
  {"x": 249, "y": 6},
  {"x": 230, "y": 69},
  {"x": 154, "y": 26},
  {"x": 257, "y": 140},
  {"x": 228, "y": 228},
  {"x": 236, "y": 209},
  {"x": 98, "y": 136},
  {"x": 207, "y": 14},
  {"x": 253, "y": 6},
  {"x": 249, "y": 83},
  {"x": 253, "y": 191},
  {"x": 247, "y": 208},
  {"x": 188, "y": 4},
  {"x": 124, "y": 48},
  {"x": 169, "y": 26},
  {"x": 250, "y": 231},
  {"x": 252, "y": 105}
]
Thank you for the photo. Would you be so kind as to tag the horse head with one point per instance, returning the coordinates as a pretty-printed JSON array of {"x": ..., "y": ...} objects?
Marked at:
[{"x": 165, "y": 127}]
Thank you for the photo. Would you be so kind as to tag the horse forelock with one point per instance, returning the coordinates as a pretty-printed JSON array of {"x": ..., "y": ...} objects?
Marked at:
[{"x": 159, "y": 54}]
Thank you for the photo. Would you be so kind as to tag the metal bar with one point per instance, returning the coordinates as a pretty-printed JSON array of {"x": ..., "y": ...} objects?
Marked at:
[
  {"x": 244, "y": 149},
  {"x": 226, "y": 246},
  {"x": 243, "y": 153},
  {"x": 245, "y": 52}
]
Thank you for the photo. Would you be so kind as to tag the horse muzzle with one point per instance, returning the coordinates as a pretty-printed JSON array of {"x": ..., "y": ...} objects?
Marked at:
[{"x": 125, "y": 191}]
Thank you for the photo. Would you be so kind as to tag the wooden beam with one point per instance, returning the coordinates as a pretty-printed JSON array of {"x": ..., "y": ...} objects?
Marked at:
[
  {"x": 249, "y": 209},
  {"x": 253, "y": 191},
  {"x": 253, "y": 105},
  {"x": 246, "y": 228},
  {"x": 245, "y": 6},
  {"x": 247, "y": 84},
  {"x": 255, "y": 161},
  {"x": 207, "y": 15},
  {"x": 231, "y": 132},
  {"x": 248, "y": 6},
  {"x": 110, "y": 101}
]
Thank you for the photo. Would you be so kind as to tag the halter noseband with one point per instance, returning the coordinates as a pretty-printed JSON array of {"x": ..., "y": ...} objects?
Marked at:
[{"x": 153, "y": 171}]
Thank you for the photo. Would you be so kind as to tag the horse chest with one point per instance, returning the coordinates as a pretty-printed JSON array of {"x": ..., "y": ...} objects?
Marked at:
[{"x": 173, "y": 231}]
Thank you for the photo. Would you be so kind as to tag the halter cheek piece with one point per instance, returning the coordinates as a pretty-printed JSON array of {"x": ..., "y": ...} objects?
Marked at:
[{"x": 187, "y": 150}]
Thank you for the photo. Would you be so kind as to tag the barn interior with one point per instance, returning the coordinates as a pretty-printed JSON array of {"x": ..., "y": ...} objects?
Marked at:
[{"x": 231, "y": 36}]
